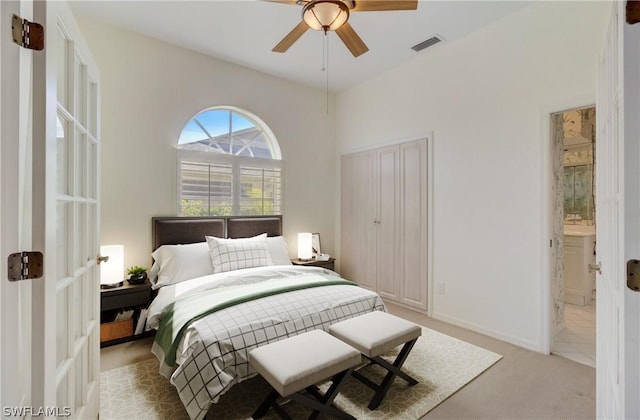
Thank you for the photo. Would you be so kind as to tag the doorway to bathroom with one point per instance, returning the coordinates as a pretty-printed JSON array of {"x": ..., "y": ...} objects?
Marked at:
[{"x": 574, "y": 232}]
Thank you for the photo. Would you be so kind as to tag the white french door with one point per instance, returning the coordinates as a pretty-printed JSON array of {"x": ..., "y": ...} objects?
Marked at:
[
  {"x": 66, "y": 316},
  {"x": 631, "y": 36},
  {"x": 618, "y": 220}
]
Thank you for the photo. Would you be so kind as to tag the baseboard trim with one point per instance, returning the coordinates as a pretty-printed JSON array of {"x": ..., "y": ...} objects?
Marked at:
[{"x": 516, "y": 341}]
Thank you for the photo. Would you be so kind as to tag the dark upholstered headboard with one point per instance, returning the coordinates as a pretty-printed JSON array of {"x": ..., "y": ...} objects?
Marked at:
[
  {"x": 245, "y": 227},
  {"x": 187, "y": 230}
]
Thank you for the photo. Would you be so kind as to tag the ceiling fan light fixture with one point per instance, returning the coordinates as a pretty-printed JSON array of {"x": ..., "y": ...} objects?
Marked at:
[{"x": 325, "y": 15}]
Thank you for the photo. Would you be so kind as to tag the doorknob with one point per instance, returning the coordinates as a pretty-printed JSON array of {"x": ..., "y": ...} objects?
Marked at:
[
  {"x": 595, "y": 267},
  {"x": 101, "y": 259}
]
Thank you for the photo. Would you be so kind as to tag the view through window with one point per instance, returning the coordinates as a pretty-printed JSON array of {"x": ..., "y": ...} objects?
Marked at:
[{"x": 229, "y": 163}]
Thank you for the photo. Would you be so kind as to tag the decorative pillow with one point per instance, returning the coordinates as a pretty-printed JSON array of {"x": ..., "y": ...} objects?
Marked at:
[
  {"x": 233, "y": 254},
  {"x": 278, "y": 250},
  {"x": 178, "y": 263}
]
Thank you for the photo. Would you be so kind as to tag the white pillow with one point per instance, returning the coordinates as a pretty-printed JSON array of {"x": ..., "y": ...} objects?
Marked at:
[
  {"x": 278, "y": 249},
  {"x": 234, "y": 254},
  {"x": 181, "y": 262}
]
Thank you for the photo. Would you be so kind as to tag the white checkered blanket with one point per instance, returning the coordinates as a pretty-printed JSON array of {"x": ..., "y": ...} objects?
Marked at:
[{"x": 213, "y": 352}]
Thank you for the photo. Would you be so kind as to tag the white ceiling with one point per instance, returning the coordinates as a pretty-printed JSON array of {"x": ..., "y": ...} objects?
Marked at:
[{"x": 244, "y": 32}]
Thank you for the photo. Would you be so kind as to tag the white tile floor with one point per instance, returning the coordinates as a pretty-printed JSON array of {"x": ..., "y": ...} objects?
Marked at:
[{"x": 577, "y": 341}]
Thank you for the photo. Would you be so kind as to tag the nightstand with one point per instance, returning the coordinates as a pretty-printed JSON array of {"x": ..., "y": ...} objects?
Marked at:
[
  {"x": 330, "y": 265},
  {"x": 128, "y": 296}
]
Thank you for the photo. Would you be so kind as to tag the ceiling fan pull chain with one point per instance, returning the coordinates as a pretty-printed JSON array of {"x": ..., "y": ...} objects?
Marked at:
[
  {"x": 327, "y": 71},
  {"x": 324, "y": 53}
]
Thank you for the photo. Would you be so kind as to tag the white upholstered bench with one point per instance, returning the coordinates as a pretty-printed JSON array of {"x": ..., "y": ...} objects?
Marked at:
[
  {"x": 374, "y": 334},
  {"x": 298, "y": 363}
]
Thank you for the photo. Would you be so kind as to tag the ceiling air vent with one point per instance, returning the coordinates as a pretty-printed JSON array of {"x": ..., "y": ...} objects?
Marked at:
[{"x": 428, "y": 43}]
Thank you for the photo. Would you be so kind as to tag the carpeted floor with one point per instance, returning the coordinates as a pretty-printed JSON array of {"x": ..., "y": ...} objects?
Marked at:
[{"x": 441, "y": 363}]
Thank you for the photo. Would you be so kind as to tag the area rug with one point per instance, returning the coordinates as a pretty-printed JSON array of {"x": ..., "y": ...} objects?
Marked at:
[{"x": 442, "y": 364}]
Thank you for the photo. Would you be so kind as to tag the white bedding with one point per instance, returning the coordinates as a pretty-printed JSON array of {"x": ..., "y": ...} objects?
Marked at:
[
  {"x": 168, "y": 294},
  {"x": 213, "y": 352}
]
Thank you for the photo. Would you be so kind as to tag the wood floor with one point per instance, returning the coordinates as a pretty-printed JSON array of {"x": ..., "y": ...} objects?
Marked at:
[{"x": 523, "y": 385}]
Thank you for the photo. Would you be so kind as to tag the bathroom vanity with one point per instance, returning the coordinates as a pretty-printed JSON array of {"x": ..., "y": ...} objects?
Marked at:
[{"x": 579, "y": 247}]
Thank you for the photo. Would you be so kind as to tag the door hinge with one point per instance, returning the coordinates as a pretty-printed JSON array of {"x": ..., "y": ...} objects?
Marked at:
[
  {"x": 27, "y": 34},
  {"x": 633, "y": 275},
  {"x": 25, "y": 265}
]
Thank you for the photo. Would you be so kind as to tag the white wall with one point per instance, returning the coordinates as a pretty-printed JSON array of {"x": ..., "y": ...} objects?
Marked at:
[
  {"x": 485, "y": 98},
  {"x": 151, "y": 89}
]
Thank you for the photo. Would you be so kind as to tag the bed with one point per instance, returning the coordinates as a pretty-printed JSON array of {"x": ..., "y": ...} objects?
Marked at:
[{"x": 211, "y": 308}]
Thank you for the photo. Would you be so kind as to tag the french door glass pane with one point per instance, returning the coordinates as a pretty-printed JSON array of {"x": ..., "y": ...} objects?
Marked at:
[
  {"x": 62, "y": 50},
  {"x": 92, "y": 181},
  {"x": 79, "y": 174},
  {"x": 93, "y": 349},
  {"x": 76, "y": 291},
  {"x": 62, "y": 342},
  {"x": 86, "y": 299},
  {"x": 84, "y": 191},
  {"x": 91, "y": 250},
  {"x": 62, "y": 397},
  {"x": 80, "y": 109},
  {"x": 92, "y": 95},
  {"x": 63, "y": 154},
  {"x": 81, "y": 379},
  {"x": 62, "y": 235},
  {"x": 79, "y": 238}
]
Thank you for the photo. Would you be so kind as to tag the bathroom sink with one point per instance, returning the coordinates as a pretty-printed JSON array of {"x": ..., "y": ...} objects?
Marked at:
[{"x": 579, "y": 230}]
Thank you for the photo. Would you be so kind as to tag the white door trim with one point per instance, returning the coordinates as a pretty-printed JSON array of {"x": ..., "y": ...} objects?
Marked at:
[
  {"x": 14, "y": 386},
  {"x": 546, "y": 210}
]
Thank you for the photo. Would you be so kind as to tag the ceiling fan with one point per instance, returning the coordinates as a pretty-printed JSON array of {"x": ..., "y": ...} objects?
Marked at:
[{"x": 333, "y": 15}]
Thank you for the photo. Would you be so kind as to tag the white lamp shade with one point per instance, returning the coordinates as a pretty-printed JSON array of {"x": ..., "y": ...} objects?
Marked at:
[
  {"x": 304, "y": 246},
  {"x": 326, "y": 15},
  {"x": 112, "y": 271}
]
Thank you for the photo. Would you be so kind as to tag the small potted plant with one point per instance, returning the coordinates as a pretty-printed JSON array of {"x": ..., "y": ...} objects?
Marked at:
[{"x": 136, "y": 274}]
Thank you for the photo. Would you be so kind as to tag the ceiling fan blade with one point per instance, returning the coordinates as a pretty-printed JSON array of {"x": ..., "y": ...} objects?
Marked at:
[
  {"x": 291, "y": 37},
  {"x": 351, "y": 39},
  {"x": 292, "y": 2},
  {"x": 381, "y": 5}
]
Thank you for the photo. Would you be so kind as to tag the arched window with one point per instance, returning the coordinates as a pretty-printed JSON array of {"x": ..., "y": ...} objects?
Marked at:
[{"x": 229, "y": 163}]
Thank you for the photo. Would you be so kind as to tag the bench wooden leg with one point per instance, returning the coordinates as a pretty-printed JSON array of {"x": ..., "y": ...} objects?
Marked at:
[
  {"x": 320, "y": 404},
  {"x": 393, "y": 371},
  {"x": 331, "y": 394},
  {"x": 261, "y": 411}
]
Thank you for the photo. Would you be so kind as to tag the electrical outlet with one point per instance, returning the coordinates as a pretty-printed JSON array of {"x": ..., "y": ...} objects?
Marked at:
[{"x": 440, "y": 288}]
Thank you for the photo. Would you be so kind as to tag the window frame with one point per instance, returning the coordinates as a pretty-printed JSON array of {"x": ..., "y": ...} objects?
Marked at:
[{"x": 235, "y": 161}]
